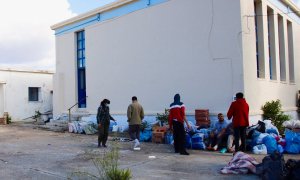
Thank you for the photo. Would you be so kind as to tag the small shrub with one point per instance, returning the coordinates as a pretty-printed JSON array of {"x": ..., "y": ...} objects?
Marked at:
[
  {"x": 107, "y": 167},
  {"x": 8, "y": 119},
  {"x": 272, "y": 110},
  {"x": 163, "y": 118},
  {"x": 37, "y": 115},
  {"x": 144, "y": 125}
]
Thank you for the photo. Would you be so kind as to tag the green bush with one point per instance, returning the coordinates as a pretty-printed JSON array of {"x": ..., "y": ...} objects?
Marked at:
[
  {"x": 163, "y": 118},
  {"x": 8, "y": 119},
  {"x": 272, "y": 110},
  {"x": 144, "y": 125}
]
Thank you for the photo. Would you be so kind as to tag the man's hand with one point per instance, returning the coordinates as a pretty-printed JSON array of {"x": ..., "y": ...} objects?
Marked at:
[{"x": 99, "y": 126}]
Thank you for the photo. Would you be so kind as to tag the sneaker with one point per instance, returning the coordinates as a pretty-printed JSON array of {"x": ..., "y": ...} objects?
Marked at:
[
  {"x": 104, "y": 145},
  {"x": 224, "y": 150},
  {"x": 136, "y": 143}
]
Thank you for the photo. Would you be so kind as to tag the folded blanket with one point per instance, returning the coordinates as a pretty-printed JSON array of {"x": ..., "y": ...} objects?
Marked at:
[{"x": 241, "y": 163}]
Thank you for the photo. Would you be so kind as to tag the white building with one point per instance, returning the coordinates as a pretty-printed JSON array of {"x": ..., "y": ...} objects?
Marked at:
[
  {"x": 205, "y": 50},
  {"x": 22, "y": 92}
]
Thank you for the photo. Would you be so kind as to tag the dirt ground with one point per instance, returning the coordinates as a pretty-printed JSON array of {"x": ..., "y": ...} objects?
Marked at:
[{"x": 27, "y": 152}]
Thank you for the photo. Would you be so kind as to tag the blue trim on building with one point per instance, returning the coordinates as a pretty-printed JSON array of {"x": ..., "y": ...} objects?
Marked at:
[
  {"x": 117, "y": 12},
  {"x": 285, "y": 9}
]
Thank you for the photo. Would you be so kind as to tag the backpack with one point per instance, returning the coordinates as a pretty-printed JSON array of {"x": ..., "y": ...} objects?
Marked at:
[{"x": 273, "y": 167}]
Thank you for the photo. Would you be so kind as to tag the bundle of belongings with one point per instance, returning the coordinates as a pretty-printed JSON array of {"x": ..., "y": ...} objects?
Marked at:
[
  {"x": 195, "y": 137},
  {"x": 87, "y": 125},
  {"x": 264, "y": 138},
  {"x": 273, "y": 166},
  {"x": 292, "y": 136},
  {"x": 241, "y": 163}
]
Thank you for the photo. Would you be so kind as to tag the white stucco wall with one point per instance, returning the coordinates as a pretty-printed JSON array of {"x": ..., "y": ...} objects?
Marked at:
[
  {"x": 260, "y": 90},
  {"x": 14, "y": 98},
  {"x": 204, "y": 50},
  {"x": 187, "y": 47},
  {"x": 64, "y": 87}
]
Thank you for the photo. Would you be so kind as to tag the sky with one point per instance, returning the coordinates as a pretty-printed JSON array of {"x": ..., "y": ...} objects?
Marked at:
[{"x": 26, "y": 40}]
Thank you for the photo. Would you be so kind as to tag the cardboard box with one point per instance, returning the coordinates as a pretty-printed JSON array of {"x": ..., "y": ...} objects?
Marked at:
[
  {"x": 158, "y": 137},
  {"x": 202, "y": 112},
  {"x": 3, "y": 121}
]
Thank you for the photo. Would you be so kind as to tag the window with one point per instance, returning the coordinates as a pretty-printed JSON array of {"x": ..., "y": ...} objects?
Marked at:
[
  {"x": 81, "y": 80},
  {"x": 33, "y": 93},
  {"x": 291, "y": 51},
  {"x": 271, "y": 44},
  {"x": 260, "y": 56},
  {"x": 281, "y": 48}
]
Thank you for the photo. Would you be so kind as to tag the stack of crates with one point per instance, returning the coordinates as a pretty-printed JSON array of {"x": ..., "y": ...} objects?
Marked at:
[
  {"x": 202, "y": 117},
  {"x": 2, "y": 121},
  {"x": 158, "y": 134}
]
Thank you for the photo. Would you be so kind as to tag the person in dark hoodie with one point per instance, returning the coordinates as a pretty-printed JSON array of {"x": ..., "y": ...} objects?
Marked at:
[
  {"x": 176, "y": 119},
  {"x": 239, "y": 112},
  {"x": 103, "y": 120}
]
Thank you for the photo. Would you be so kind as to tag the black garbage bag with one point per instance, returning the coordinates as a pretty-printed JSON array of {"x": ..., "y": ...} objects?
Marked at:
[
  {"x": 272, "y": 167},
  {"x": 293, "y": 168}
]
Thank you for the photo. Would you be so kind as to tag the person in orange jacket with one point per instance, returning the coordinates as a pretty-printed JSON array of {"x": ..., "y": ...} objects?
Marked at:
[{"x": 239, "y": 112}]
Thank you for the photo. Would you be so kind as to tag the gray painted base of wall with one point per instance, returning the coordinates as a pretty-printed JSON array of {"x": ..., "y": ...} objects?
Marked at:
[{"x": 122, "y": 119}]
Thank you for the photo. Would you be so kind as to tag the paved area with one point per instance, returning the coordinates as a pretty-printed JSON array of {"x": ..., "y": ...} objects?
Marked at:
[{"x": 30, "y": 153}]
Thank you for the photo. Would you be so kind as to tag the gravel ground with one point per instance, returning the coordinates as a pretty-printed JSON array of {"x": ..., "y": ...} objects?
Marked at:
[{"x": 27, "y": 152}]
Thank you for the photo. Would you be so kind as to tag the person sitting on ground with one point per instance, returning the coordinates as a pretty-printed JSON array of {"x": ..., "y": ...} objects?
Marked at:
[
  {"x": 217, "y": 134},
  {"x": 230, "y": 138}
]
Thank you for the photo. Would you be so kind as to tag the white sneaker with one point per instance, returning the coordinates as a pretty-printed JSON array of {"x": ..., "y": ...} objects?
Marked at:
[{"x": 136, "y": 144}]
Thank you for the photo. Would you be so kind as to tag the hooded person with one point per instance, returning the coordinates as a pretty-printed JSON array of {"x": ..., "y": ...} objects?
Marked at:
[
  {"x": 103, "y": 121},
  {"x": 176, "y": 121},
  {"x": 239, "y": 112}
]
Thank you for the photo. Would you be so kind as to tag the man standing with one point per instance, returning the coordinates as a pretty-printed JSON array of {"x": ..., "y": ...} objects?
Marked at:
[
  {"x": 135, "y": 115},
  {"x": 239, "y": 110},
  {"x": 176, "y": 119}
]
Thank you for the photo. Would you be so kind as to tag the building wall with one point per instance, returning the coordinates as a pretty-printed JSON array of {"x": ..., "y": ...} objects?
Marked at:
[
  {"x": 14, "y": 97},
  {"x": 64, "y": 87},
  {"x": 187, "y": 47},
  {"x": 260, "y": 90}
]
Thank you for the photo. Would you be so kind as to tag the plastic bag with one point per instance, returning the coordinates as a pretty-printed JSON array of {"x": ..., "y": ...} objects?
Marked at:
[
  {"x": 270, "y": 143},
  {"x": 115, "y": 128},
  {"x": 270, "y": 128},
  {"x": 292, "y": 142},
  {"x": 188, "y": 141},
  {"x": 260, "y": 149},
  {"x": 197, "y": 141},
  {"x": 146, "y": 136},
  {"x": 168, "y": 138}
]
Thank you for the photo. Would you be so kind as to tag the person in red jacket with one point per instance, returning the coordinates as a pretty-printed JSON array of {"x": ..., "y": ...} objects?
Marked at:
[
  {"x": 176, "y": 119},
  {"x": 239, "y": 112}
]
